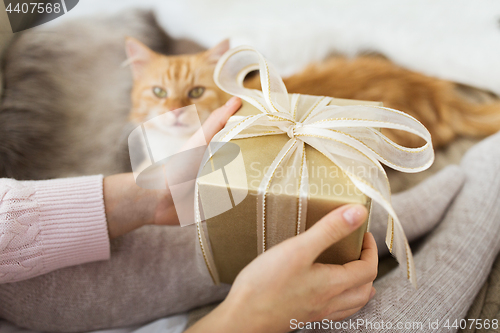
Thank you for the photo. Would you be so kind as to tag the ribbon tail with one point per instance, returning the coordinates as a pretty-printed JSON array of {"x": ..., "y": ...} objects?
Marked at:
[
  {"x": 402, "y": 251},
  {"x": 396, "y": 238}
]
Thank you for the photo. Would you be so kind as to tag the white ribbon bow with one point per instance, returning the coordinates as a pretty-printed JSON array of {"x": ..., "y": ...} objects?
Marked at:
[{"x": 347, "y": 135}]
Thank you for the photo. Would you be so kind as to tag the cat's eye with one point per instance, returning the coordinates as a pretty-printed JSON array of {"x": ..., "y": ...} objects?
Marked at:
[
  {"x": 196, "y": 92},
  {"x": 160, "y": 92}
]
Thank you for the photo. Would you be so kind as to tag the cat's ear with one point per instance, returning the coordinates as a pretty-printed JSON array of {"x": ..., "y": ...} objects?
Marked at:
[
  {"x": 213, "y": 55},
  {"x": 139, "y": 56}
]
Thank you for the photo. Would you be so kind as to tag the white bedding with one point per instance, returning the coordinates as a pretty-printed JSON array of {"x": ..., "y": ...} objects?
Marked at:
[{"x": 457, "y": 40}]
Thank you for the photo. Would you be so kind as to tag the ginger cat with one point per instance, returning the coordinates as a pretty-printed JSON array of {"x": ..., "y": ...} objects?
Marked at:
[
  {"x": 165, "y": 83},
  {"x": 168, "y": 83}
]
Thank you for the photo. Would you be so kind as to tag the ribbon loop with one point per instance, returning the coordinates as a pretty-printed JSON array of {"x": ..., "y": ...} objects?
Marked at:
[{"x": 347, "y": 135}]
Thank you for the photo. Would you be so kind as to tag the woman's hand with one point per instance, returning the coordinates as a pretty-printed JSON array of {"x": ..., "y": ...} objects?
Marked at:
[
  {"x": 285, "y": 284},
  {"x": 129, "y": 206}
]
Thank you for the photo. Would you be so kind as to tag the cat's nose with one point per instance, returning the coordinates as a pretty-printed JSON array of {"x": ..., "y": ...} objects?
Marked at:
[{"x": 178, "y": 111}]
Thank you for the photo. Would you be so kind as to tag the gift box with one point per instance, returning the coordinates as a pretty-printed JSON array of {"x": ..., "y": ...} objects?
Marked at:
[
  {"x": 233, "y": 233},
  {"x": 283, "y": 161}
]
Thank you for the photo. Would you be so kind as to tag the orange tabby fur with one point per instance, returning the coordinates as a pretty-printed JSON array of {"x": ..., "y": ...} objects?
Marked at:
[{"x": 436, "y": 103}]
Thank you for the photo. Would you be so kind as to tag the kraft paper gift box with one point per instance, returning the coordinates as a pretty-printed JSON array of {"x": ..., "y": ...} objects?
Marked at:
[
  {"x": 286, "y": 160},
  {"x": 233, "y": 234}
]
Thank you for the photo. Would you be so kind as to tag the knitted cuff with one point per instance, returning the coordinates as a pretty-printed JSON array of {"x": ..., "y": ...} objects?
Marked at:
[{"x": 73, "y": 225}]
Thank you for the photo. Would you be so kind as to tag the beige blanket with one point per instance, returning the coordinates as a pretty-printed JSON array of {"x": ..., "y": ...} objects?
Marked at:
[{"x": 486, "y": 305}]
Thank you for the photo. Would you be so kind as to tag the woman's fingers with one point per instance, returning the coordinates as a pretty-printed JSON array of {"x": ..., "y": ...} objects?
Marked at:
[
  {"x": 351, "y": 301},
  {"x": 214, "y": 123},
  {"x": 355, "y": 274},
  {"x": 330, "y": 229},
  {"x": 339, "y": 316},
  {"x": 364, "y": 270},
  {"x": 219, "y": 118}
]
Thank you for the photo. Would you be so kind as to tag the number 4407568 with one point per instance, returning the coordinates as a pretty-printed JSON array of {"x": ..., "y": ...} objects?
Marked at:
[
  {"x": 471, "y": 323},
  {"x": 35, "y": 7}
]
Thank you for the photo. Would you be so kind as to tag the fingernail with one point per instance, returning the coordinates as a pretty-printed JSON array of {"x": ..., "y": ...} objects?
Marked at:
[
  {"x": 232, "y": 101},
  {"x": 354, "y": 215},
  {"x": 372, "y": 293}
]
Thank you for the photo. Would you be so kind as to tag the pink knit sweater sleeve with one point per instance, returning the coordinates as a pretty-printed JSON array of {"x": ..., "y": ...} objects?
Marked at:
[{"x": 46, "y": 225}]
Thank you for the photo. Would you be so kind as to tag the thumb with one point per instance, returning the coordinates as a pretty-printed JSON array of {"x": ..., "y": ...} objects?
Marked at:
[
  {"x": 331, "y": 228},
  {"x": 219, "y": 118},
  {"x": 213, "y": 124}
]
